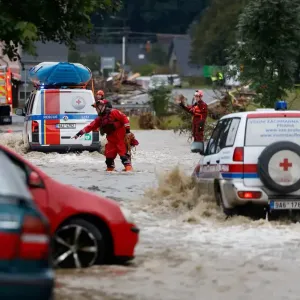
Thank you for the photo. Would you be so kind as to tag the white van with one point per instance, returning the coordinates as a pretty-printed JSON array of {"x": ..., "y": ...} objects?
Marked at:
[
  {"x": 54, "y": 116},
  {"x": 253, "y": 157}
]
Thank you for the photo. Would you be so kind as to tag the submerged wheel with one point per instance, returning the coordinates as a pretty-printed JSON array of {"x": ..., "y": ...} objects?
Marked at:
[
  {"x": 78, "y": 244},
  {"x": 220, "y": 202}
]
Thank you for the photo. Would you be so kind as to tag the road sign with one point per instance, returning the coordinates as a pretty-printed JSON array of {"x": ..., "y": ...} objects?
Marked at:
[{"x": 108, "y": 63}]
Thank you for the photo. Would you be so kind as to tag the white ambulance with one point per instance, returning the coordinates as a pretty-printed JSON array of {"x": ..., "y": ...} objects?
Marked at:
[
  {"x": 253, "y": 157},
  {"x": 54, "y": 116}
]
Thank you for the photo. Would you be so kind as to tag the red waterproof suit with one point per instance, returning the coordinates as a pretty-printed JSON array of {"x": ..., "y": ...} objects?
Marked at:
[
  {"x": 114, "y": 124},
  {"x": 199, "y": 112}
]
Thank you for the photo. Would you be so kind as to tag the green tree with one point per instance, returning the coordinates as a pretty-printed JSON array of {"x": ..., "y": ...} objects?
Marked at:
[
  {"x": 74, "y": 56},
  {"x": 215, "y": 31},
  {"x": 160, "y": 99},
  {"x": 157, "y": 55},
  {"x": 24, "y": 22},
  {"x": 92, "y": 61},
  {"x": 268, "y": 47}
]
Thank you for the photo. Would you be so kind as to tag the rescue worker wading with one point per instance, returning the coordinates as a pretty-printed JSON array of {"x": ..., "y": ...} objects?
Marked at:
[
  {"x": 116, "y": 126},
  {"x": 199, "y": 111}
]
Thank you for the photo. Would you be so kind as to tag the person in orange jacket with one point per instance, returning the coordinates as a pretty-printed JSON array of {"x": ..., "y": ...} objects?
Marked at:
[
  {"x": 199, "y": 110},
  {"x": 116, "y": 126}
]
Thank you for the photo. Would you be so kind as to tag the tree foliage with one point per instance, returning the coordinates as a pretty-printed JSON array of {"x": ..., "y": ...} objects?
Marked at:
[
  {"x": 24, "y": 22},
  {"x": 91, "y": 60},
  {"x": 160, "y": 99},
  {"x": 164, "y": 16},
  {"x": 268, "y": 48},
  {"x": 215, "y": 31},
  {"x": 158, "y": 55}
]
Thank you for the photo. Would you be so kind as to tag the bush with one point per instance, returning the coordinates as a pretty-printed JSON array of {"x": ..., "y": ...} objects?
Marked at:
[
  {"x": 160, "y": 99},
  {"x": 147, "y": 121},
  {"x": 146, "y": 70}
]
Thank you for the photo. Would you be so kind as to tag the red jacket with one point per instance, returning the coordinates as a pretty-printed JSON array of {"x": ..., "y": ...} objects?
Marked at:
[
  {"x": 113, "y": 123},
  {"x": 199, "y": 111}
]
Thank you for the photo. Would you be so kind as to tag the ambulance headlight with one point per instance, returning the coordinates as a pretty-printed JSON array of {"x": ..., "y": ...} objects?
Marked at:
[{"x": 127, "y": 215}]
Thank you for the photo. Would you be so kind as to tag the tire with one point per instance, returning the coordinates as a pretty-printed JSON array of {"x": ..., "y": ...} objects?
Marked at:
[
  {"x": 278, "y": 165},
  {"x": 68, "y": 245},
  {"x": 229, "y": 212}
]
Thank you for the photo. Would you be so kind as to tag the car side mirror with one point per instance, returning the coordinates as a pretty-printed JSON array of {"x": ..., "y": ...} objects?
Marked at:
[
  {"x": 20, "y": 112},
  {"x": 197, "y": 147},
  {"x": 35, "y": 180}
]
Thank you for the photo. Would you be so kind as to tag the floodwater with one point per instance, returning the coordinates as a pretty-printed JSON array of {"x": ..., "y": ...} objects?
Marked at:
[{"x": 187, "y": 249}]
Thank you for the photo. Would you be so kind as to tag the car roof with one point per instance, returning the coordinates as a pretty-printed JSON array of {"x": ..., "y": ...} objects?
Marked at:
[
  {"x": 262, "y": 112},
  {"x": 11, "y": 184}
]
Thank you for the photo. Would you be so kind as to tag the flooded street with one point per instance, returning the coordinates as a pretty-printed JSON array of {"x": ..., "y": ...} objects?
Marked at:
[{"x": 187, "y": 249}]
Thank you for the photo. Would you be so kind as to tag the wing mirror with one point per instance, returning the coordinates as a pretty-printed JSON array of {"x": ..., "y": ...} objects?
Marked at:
[
  {"x": 35, "y": 180},
  {"x": 197, "y": 147},
  {"x": 20, "y": 112}
]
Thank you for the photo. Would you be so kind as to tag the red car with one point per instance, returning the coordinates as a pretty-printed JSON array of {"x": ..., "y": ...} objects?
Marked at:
[{"x": 86, "y": 229}]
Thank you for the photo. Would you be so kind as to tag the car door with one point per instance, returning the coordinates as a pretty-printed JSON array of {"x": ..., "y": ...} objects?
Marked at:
[{"x": 212, "y": 156}]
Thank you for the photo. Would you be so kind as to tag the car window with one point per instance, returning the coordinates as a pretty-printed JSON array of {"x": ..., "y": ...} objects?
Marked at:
[
  {"x": 22, "y": 169},
  {"x": 210, "y": 149},
  {"x": 232, "y": 132},
  {"x": 218, "y": 138},
  {"x": 28, "y": 105},
  {"x": 31, "y": 104}
]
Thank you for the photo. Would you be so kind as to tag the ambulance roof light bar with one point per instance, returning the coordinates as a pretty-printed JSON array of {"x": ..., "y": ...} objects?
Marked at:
[
  {"x": 281, "y": 105},
  {"x": 59, "y": 86}
]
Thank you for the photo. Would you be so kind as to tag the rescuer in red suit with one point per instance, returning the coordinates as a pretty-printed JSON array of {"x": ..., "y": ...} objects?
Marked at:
[
  {"x": 116, "y": 126},
  {"x": 199, "y": 111}
]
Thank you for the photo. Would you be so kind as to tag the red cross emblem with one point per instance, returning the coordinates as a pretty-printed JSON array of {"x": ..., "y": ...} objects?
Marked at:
[
  {"x": 78, "y": 101},
  {"x": 285, "y": 164}
]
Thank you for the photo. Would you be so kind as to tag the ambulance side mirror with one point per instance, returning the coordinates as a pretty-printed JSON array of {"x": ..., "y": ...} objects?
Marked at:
[
  {"x": 197, "y": 147},
  {"x": 20, "y": 112}
]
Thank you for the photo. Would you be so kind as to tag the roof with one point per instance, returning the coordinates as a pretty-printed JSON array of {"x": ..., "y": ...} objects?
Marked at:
[
  {"x": 49, "y": 51},
  {"x": 133, "y": 51},
  {"x": 264, "y": 113},
  {"x": 181, "y": 46}
]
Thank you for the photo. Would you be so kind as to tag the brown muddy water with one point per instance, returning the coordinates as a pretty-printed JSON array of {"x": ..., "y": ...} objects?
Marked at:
[{"x": 187, "y": 250}]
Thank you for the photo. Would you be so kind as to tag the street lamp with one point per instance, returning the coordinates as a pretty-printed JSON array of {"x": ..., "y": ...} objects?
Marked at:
[{"x": 123, "y": 38}]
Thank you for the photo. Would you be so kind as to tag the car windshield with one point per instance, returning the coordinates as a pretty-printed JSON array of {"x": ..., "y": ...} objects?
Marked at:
[{"x": 264, "y": 131}]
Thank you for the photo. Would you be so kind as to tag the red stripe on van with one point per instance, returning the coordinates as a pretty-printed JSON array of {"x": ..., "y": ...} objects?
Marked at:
[
  {"x": 243, "y": 168},
  {"x": 274, "y": 115},
  {"x": 52, "y": 107}
]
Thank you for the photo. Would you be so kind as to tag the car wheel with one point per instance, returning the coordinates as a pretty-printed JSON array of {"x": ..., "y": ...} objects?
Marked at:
[
  {"x": 78, "y": 244},
  {"x": 220, "y": 202}
]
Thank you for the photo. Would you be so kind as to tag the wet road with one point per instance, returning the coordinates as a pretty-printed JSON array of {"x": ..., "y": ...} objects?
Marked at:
[{"x": 187, "y": 249}]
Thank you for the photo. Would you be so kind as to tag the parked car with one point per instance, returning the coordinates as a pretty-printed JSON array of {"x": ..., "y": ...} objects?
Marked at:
[
  {"x": 54, "y": 116},
  {"x": 253, "y": 157},
  {"x": 86, "y": 229},
  {"x": 25, "y": 256},
  {"x": 164, "y": 80}
]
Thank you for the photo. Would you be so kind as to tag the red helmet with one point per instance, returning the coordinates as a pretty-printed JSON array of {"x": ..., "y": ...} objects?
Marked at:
[
  {"x": 199, "y": 93},
  {"x": 100, "y": 102},
  {"x": 100, "y": 93}
]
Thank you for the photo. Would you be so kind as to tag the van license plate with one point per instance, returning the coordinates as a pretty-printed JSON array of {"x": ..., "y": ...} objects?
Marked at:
[
  {"x": 65, "y": 126},
  {"x": 283, "y": 205},
  {"x": 6, "y": 120}
]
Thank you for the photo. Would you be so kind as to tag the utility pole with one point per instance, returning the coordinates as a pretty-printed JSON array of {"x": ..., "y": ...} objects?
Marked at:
[
  {"x": 123, "y": 38},
  {"x": 124, "y": 43}
]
